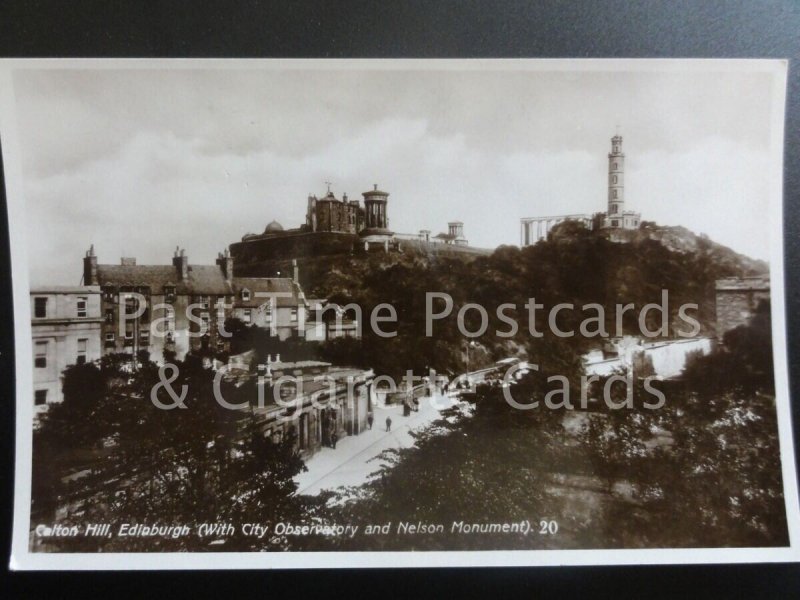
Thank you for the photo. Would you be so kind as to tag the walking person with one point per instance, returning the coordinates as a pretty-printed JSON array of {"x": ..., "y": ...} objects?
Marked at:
[
  {"x": 388, "y": 423},
  {"x": 369, "y": 420},
  {"x": 334, "y": 439}
]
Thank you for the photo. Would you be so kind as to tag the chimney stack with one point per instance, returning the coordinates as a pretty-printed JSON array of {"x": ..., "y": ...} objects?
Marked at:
[
  {"x": 295, "y": 271},
  {"x": 90, "y": 267},
  {"x": 181, "y": 263},
  {"x": 225, "y": 263}
]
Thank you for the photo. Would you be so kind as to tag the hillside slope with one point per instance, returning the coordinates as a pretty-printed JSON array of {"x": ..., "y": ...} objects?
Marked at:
[{"x": 575, "y": 266}]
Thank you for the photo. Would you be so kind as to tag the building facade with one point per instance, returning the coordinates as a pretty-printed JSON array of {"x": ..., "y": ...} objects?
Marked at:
[
  {"x": 170, "y": 310},
  {"x": 333, "y": 214},
  {"x": 275, "y": 303},
  {"x": 320, "y": 412},
  {"x": 65, "y": 327},
  {"x": 454, "y": 235},
  {"x": 737, "y": 299},
  {"x": 333, "y": 320}
]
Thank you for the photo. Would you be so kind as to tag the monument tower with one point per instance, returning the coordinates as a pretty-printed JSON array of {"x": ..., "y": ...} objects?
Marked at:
[
  {"x": 616, "y": 182},
  {"x": 617, "y": 217},
  {"x": 375, "y": 208}
]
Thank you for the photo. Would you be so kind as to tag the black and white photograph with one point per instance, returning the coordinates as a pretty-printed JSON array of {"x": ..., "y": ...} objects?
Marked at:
[{"x": 358, "y": 313}]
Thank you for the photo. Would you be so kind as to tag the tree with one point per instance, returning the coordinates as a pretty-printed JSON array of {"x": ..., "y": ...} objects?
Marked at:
[{"x": 202, "y": 463}]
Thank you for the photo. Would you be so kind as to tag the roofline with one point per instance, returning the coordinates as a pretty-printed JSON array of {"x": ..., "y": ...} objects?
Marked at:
[{"x": 66, "y": 289}]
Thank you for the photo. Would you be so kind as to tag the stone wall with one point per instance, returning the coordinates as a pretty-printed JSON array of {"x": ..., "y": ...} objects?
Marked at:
[
  {"x": 249, "y": 256},
  {"x": 737, "y": 299}
]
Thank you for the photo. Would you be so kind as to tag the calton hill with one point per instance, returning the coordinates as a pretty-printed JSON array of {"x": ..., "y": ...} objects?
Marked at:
[{"x": 703, "y": 470}]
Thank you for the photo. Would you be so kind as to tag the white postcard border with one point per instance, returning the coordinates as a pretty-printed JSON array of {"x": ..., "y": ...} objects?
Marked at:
[{"x": 23, "y": 559}]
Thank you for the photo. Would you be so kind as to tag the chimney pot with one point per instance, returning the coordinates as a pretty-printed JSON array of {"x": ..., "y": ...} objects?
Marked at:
[
  {"x": 90, "y": 267},
  {"x": 181, "y": 263}
]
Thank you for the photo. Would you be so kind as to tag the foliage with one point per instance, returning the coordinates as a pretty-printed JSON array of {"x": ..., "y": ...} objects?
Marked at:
[
  {"x": 576, "y": 266},
  {"x": 136, "y": 463},
  {"x": 701, "y": 471},
  {"x": 744, "y": 361}
]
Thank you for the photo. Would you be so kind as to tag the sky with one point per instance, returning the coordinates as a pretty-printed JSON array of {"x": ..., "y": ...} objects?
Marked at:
[{"x": 139, "y": 161}]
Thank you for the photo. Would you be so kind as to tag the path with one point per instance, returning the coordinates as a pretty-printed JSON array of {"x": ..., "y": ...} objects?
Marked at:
[{"x": 352, "y": 462}]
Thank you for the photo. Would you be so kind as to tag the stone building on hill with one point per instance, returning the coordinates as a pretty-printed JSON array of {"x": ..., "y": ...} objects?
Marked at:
[
  {"x": 454, "y": 235},
  {"x": 335, "y": 226},
  {"x": 330, "y": 213},
  {"x": 533, "y": 229}
]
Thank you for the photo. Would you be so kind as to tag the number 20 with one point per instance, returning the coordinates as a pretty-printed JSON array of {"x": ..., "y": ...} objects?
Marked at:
[{"x": 548, "y": 527}]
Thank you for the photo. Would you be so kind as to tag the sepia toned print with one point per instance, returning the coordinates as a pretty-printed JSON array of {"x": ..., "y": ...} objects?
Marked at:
[{"x": 355, "y": 313}]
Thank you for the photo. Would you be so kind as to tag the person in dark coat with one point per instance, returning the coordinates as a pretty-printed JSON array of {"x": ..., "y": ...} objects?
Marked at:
[
  {"x": 369, "y": 420},
  {"x": 388, "y": 423},
  {"x": 334, "y": 439}
]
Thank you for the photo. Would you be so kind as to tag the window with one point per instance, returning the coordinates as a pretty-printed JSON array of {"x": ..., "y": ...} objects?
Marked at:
[
  {"x": 169, "y": 293},
  {"x": 144, "y": 336},
  {"x": 614, "y": 179},
  {"x": 82, "y": 303},
  {"x": 40, "y": 359},
  {"x": 40, "y": 397},
  {"x": 129, "y": 334},
  {"x": 131, "y": 305},
  {"x": 109, "y": 315},
  {"x": 82, "y": 347},
  {"x": 110, "y": 337},
  {"x": 108, "y": 293},
  {"x": 246, "y": 295},
  {"x": 615, "y": 166},
  {"x": 615, "y": 223},
  {"x": 202, "y": 301},
  {"x": 615, "y": 193},
  {"x": 40, "y": 308},
  {"x": 614, "y": 209},
  {"x": 247, "y": 316},
  {"x": 294, "y": 314}
]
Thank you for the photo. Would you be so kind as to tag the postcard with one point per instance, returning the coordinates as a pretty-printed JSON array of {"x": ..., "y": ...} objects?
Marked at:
[{"x": 394, "y": 313}]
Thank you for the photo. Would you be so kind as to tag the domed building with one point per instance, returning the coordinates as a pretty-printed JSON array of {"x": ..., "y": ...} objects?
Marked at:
[{"x": 273, "y": 227}]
